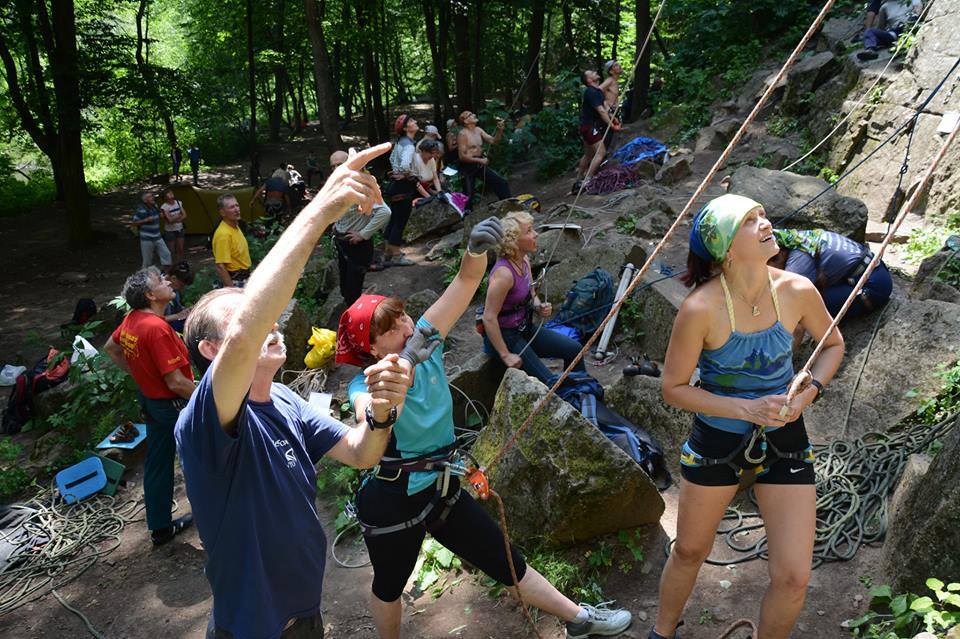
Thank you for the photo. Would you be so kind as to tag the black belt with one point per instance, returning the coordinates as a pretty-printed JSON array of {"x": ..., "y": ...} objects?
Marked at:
[
  {"x": 859, "y": 268},
  {"x": 242, "y": 274}
]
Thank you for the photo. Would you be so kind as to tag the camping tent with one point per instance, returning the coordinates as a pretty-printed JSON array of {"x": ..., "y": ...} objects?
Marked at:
[{"x": 201, "y": 207}]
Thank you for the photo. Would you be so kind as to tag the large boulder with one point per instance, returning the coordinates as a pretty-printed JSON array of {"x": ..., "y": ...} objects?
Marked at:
[
  {"x": 674, "y": 169},
  {"x": 658, "y": 306},
  {"x": 804, "y": 78},
  {"x": 781, "y": 193},
  {"x": 320, "y": 276},
  {"x": 494, "y": 209},
  {"x": 295, "y": 326},
  {"x": 416, "y": 304},
  {"x": 640, "y": 399},
  {"x": 610, "y": 253},
  {"x": 433, "y": 218},
  {"x": 928, "y": 286},
  {"x": 444, "y": 245},
  {"x": 328, "y": 315},
  {"x": 562, "y": 481},
  {"x": 835, "y": 35},
  {"x": 913, "y": 339},
  {"x": 553, "y": 245},
  {"x": 477, "y": 378},
  {"x": 716, "y": 136},
  {"x": 924, "y": 533}
]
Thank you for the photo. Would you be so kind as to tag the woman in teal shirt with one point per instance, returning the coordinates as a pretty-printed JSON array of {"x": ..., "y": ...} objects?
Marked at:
[{"x": 411, "y": 493}]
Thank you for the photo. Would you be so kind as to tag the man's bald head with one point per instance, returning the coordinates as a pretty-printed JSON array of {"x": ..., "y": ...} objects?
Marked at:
[{"x": 337, "y": 158}]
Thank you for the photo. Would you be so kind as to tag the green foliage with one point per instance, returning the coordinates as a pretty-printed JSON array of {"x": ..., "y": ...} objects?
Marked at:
[
  {"x": 925, "y": 241},
  {"x": 946, "y": 402},
  {"x": 13, "y": 478},
  {"x": 904, "y": 615},
  {"x": 781, "y": 125},
  {"x": 432, "y": 572},
  {"x": 342, "y": 482},
  {"x": 828, "y": 174},
  {"x": 630, "y": 319},
  {"x": 18, "y": 194}
]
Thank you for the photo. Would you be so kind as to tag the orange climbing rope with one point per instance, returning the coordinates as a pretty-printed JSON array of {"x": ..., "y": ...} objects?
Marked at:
[
  {"x": 803, "y": 377},
  {"x": 659, "y": 247}
]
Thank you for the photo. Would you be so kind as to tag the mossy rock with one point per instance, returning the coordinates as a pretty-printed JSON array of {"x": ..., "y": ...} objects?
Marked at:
[{"x": 563, "y": 481}]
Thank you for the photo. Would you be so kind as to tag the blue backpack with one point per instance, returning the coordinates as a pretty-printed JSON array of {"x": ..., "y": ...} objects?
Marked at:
[{"x": 587, "y": 303}]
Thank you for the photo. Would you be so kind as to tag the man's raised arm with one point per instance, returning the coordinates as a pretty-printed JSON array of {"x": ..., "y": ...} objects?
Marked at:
[{"x": 272, "y": 284}]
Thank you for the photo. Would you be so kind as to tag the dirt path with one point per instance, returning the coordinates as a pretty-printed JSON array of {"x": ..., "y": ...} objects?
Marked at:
[{"x": 157, "y": 593}]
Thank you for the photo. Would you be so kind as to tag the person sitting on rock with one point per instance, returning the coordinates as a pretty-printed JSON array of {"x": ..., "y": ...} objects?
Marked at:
[
  {"x": 425, "y": 167},
  {"x": 892, "y": 18},
  {"x": 511, "y": 301},
  {"x": 834, "y": 263},
  {"x": 402, "y": 501},
  {"x": 736, "y": 326}
]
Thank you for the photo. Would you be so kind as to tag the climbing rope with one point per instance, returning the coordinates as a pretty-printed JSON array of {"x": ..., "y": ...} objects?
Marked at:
[
  {"x": 802, "y": 378},
  {"x": 309, "y": 380},
  {"x": 63, "y": 602},
  {"x": 901, "y": 42},
  {"x": 739, "y": 623},
  {"x": 721, "y": 161},
  {"x": 513, "y": 569},
  {"x": 854, "y": 479},
  {"x": 78, "y": 535}
]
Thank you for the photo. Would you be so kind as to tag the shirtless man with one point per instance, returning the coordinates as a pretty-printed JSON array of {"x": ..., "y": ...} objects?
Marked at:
[
  {"x": 594, "y": 122},
  {"x": 473, "y": 164},
  {"x": 611, "y": 86}
]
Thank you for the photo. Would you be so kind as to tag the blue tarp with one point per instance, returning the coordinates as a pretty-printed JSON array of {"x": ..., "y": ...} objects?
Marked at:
[{"x": 639, "y": 148}]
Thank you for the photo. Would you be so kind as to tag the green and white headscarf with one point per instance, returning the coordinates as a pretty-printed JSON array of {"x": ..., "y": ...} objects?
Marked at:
[{"x": 717, "y": 223}]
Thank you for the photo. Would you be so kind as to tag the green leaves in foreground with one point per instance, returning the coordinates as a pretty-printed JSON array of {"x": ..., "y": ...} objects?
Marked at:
[{"x": 895, "y": 616}]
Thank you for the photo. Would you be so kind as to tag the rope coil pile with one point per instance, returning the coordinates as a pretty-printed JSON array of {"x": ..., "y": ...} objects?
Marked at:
[{"x": 79, "y": 534}]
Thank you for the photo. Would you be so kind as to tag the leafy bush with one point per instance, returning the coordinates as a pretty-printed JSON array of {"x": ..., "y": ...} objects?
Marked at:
[
  {"x": 924, "y": 242},
  {"x": 905, "y": 615},
  {"x": 13, "y": 478},
  {"x": 19, "y": 194}
]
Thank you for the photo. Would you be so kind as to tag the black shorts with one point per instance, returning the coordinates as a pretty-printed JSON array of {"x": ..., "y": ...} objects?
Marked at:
[
  {"x": 468, "y": 531},
  {"x": 712, "y": 442}
]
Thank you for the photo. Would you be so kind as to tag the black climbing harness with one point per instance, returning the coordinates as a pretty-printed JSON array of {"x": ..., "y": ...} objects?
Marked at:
[
  {"x": 446, "y": 461},
  {"x": 758, "y": 453}
]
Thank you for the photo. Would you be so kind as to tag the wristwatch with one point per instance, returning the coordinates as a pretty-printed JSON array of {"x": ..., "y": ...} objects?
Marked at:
[
  {"x": 819, "y": 387},
  {"x": 374, "y": 424}
]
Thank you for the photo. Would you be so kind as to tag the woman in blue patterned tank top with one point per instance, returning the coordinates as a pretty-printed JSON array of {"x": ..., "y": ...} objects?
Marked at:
[{"x": 736, "y": 326}]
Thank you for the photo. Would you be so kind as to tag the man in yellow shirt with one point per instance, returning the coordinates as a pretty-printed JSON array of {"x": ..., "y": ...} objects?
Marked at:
[{"x": 230, "y": 250}]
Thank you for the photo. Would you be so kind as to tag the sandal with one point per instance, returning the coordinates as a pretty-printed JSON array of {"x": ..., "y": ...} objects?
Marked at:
[{"x": 125, "y": 434}]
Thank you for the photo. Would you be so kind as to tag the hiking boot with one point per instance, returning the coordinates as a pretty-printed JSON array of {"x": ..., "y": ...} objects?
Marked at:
[
  {"x": 163, "y": 535},
  {"x": 869, "y": 54},
  {"x": 600, "y": 621}
]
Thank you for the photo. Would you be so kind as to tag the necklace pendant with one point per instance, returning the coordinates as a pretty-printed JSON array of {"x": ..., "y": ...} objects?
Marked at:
[{"x": 755, "y": 310}]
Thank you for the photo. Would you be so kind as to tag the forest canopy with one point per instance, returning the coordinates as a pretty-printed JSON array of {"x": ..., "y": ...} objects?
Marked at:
[{"x": 95, "y": 94}]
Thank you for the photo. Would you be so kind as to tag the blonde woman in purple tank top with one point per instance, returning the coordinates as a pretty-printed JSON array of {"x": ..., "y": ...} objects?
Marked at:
[{"x": 511, "y": 302}]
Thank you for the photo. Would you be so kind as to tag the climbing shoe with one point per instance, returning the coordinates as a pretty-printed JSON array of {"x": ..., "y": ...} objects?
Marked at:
[
  {"x": 644, "y": 366},
  {"x": 600, "y": 621},
  {"x": 163, "y": 535}
]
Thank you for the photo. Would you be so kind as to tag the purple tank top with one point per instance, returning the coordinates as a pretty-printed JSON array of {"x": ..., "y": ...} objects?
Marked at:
[{"x": 514, "y": 309}]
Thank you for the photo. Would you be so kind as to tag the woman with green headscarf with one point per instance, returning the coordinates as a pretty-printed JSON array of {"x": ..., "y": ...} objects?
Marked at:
[{"x": 736, "y": 326}]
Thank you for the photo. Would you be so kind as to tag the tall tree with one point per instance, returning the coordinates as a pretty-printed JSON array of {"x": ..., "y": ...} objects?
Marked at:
[
  {"x": 372, "y": 86},
  {"x": 326, "y": 96},
  {"x": 53, "y": 122},
  {"x": 641, "y": 75},
  {"x": 478, "y": 97},
  {"x": 252, "y": 89},
  {"x": 149, "y": 77},
  {"x": 461, "y": 45},
  {"x": 533, "y": 58}
]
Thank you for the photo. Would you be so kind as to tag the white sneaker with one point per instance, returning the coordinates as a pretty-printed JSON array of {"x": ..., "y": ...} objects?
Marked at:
[{"x": 600, "y": 621}]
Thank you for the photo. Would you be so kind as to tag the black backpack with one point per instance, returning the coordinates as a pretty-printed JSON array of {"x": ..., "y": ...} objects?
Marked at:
[
  {"x": 587, "y": 303},
  {"x": 47, "y": 373}
]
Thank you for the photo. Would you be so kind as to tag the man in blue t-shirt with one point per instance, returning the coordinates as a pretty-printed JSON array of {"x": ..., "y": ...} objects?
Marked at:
[
  {"x": 594, "y": 122},
  {"x": 248, "y": 446},
  {"x": 147, "y": 219}
]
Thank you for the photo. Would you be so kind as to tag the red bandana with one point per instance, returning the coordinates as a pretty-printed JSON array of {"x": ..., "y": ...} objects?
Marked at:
[{"x": 353, "y": 333}]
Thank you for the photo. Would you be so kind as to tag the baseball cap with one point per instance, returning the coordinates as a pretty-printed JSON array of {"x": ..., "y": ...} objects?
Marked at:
[
  {"x": 431, "y": 129},
  {"x": 608, "y": 65}
]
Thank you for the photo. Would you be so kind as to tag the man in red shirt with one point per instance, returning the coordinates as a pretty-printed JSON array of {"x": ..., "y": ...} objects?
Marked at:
[{"x": 147, "y": 347}]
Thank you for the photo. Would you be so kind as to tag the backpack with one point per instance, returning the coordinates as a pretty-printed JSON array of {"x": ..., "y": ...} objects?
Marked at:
[
  {"x": 587, "y": 303},
  {"x": 47, "y": 373}
]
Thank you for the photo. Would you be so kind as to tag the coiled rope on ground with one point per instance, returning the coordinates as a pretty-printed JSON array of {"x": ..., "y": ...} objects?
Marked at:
[{"x": 78, "y": 535}]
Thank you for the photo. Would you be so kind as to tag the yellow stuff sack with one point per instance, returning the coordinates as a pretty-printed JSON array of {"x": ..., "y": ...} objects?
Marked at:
[{"x": 324, "y": 343}]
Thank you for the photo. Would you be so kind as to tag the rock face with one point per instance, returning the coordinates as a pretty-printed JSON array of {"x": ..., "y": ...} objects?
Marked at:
[
  {"x": 640, "y": 400},
  {"x": 295, "y": 326},
  {"x": 924, "y": 533},
  {"x": 674, "y": 170},
  {"x": 320, "y": 276},
  {"x": 834, "y": 35},
  {"x": 716, "y": 136},
  {"x": 914, "y": 338},
  {"x": 430, "y": 219},
  {"x": 804, "y": 78},
  {"x": 556, "y": 244},
  {"x": 498, "y": 209},
  {"x": 607, "y": 253},
  {"x": 419, "y": 302},
  {"x": 479, "y": 378},
  {"x": 926, "y": 284},
  {"x": 781, "y": 193},
  {"x": 563, "y": 481}
]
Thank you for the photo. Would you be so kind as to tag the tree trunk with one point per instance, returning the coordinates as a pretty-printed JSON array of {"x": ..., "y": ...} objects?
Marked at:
[
  {"x": 641, "y": 77},
  {"x": 461, "y": 45},
  {"x": 571, "y": 53},
  {"x": 149, "y": 78},
  {"x": 443, "y": 38},
  {"x": 429, "y": 15},
  {"x": 477, "y": 93},
  {"x": 532, "y": 61},
  {"x": 66, "y": 85},
  {"x": 616, "y": 30},
  {"x": 372, "y": 86},
  {"x": 252, "y": 88},
  {"x": 275, "y": 111}
]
